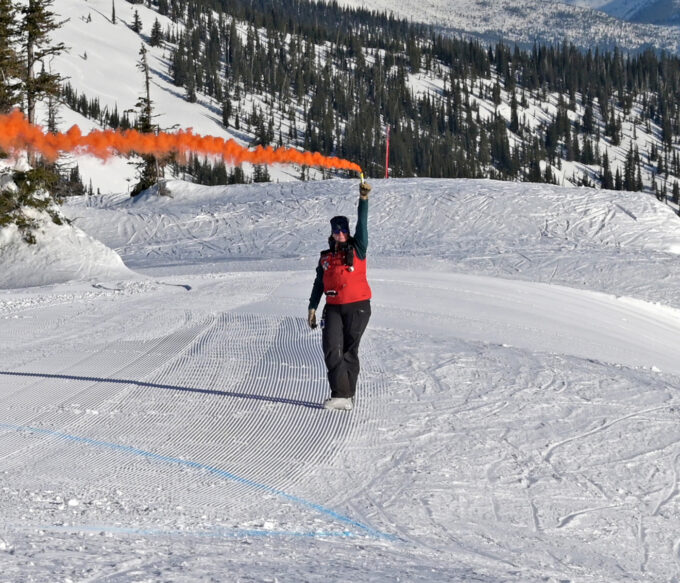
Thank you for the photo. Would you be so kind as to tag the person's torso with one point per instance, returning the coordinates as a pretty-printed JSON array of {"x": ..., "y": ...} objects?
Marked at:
[{"x": 344, "y": 284}]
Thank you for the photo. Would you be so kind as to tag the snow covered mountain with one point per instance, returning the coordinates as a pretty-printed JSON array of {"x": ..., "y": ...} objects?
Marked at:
[
  {"x": 101, "y": 64},
  {"x": 581, "y": 22},
  {"x": 660, "y": 12}
]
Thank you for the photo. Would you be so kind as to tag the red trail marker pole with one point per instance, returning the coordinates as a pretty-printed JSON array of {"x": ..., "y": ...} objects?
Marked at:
[{"x": 387, "y": 153}]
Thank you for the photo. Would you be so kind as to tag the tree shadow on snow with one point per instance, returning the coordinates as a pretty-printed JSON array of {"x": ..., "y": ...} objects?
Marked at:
[{"x": 283, "y": 400}]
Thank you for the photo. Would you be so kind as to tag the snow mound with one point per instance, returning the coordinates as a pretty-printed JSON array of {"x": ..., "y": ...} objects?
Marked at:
[{"x": 61, "y": 253}]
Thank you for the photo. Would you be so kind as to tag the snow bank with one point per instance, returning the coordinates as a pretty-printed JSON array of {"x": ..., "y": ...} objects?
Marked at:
[{"x": 61, "y": 253}]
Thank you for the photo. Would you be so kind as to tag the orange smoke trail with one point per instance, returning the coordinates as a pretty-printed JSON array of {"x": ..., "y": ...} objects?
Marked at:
[{"x": 16, "y": 135}]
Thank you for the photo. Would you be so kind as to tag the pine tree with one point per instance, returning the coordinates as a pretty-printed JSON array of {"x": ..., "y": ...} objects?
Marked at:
[
  {"x": 587, "y": 124},
  {"x": 514, "y": 119},
  {"x": 618, "y": 182},
  {"x": 607, "y": 178},
  {"x": 144, "y": 103},
  {"x": 9, "y": 62},
  {"x": 21, "y": 81},
  {"x": 156, "y": 34},
  {"x": 148, "y": 169},
  {"x": 36, "y": 27},
  {"x": 261, "y": 174},
  {"x": 137, "y": 22},
  {"x": 226, "y": 111}
]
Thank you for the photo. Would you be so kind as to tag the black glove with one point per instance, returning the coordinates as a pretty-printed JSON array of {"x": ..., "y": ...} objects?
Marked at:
[{"x": 311, "y": 318}]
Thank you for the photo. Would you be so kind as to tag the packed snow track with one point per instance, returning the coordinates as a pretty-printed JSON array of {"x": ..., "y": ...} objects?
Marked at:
[{"x": 223, "y": 411}]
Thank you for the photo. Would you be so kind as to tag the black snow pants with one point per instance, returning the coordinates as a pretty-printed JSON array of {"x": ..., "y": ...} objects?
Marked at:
[{"x": 344, "y": 325}]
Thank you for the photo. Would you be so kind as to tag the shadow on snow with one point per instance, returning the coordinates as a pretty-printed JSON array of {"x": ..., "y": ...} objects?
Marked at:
[{"x": 296, "y": 402}]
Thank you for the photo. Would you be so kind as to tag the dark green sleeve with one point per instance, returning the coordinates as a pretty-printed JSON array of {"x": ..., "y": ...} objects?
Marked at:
[
  {"x": 361, "y": 231},
  {"x": 317, "y": 289}
]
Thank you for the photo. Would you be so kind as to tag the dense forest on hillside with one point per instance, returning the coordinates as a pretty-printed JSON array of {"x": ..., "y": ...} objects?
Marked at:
[{"x": 330, "y": 79}]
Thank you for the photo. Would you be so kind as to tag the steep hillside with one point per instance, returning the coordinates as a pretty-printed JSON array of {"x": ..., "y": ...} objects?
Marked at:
[{"x": 455, "y": 108}]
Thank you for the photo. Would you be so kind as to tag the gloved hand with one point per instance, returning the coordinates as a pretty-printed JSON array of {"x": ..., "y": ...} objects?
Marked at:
[
  {"x": 311, "y": 318},
  {"x": 364, "y": 189}
]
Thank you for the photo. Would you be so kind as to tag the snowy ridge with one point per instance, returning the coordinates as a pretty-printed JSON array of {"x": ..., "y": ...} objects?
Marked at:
[{"x": 662, "y": 12}]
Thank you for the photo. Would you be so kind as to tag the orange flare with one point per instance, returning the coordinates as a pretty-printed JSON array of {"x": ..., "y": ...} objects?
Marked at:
[{"x": 16, "y": 134}]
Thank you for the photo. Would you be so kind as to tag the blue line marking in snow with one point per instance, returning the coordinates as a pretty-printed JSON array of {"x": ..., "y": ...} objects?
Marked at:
[
  {"x": 220, "y": 532},
  {"x": 217, "y": 472}
]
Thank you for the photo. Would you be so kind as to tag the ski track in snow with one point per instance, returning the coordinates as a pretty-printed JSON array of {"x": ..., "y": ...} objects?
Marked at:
[
  {"x": 193, "y": 395},
  {"x": 516, "y": 418}
]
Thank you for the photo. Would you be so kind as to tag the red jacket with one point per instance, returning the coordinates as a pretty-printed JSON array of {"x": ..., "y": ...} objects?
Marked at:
[{"x": 343, "y": 284}]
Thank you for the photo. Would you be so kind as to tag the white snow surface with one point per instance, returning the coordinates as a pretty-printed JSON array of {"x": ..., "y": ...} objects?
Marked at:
[
  {"x": 516, "y": 419},
  {"x": 61, "y": 253}
]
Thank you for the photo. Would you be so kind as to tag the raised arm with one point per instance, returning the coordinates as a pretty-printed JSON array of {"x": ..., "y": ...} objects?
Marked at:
[{"x": 361, "y": 230}]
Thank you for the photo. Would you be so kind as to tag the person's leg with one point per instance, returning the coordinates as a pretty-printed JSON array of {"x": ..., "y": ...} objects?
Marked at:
[
  {"x": 333, "y": 352},
  {"x": 355, "y": 320}
]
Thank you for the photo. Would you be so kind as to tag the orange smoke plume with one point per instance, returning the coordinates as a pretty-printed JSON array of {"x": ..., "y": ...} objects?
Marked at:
[{"x": 16, "y": 134}]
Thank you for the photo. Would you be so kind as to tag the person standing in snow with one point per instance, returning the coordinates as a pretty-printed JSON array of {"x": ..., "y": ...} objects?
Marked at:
[{"x": 341, "y": 275}]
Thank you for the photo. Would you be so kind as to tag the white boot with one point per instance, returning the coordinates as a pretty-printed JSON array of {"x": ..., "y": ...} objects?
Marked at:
[{"x": 339, "y": 404}]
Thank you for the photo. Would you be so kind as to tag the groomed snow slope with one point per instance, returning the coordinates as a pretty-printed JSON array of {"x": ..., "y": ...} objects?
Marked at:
[{"x": 516, "y": 421}]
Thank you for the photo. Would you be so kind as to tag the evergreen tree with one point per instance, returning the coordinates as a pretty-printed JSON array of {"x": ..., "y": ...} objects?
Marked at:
[
  {"x": 607, "y": 177},
  {"x": 137, "y": 22},
  {"x": 227, "y": 111},
  {"x": 261, "y": 174},
  {"x": 28, "y": 28},
  {"x": 148, "y": 169},
  {"x": 618, "y": 181},
  {"x": 144, "y": 103},
  {"x": 36, "y": 28},
  {"x": 156, "y": 34},
  {"x": 10, "y": 70},
  {"x": 588, "y": 119},
  {"x": 514, "y": 118}
]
